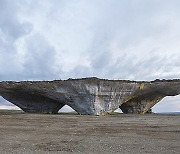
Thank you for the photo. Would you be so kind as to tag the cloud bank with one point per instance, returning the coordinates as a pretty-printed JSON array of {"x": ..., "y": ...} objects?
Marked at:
[{"x": 60, "y": 39}]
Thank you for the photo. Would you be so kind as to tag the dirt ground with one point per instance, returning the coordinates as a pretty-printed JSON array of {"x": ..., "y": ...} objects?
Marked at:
[{"x": 65, "y": 133}]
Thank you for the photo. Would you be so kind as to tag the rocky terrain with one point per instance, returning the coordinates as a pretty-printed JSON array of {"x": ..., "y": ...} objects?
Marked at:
[
  {"x": 88, "y": 95},
  {"x": 120, "y": 133}
]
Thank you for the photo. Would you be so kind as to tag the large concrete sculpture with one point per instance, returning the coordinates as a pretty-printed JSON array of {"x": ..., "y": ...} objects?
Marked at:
[{"x": 88, "y": 95}]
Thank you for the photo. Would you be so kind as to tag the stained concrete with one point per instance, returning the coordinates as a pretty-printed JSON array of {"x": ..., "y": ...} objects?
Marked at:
[{"x": 88, "y": 95}]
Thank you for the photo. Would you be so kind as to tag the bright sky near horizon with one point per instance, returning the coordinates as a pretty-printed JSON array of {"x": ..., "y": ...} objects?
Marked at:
[{"x": 114, "y": 39}]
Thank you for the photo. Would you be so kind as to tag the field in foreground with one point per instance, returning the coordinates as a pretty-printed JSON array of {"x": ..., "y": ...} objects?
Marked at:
[{"x": 65, "y": 133}]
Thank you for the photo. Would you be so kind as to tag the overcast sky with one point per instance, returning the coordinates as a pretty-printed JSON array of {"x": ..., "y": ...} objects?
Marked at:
[{"x": 114, "y": 39}]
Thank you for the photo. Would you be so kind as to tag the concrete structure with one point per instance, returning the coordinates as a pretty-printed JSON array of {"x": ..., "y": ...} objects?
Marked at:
[{"x": 88, "y": 95}]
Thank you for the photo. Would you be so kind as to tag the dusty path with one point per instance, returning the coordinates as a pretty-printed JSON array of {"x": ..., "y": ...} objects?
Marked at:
[{"x": 36, "y": 133}]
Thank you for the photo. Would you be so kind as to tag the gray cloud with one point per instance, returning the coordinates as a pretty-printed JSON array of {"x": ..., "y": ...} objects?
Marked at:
[{"x": 39, "y": 58}]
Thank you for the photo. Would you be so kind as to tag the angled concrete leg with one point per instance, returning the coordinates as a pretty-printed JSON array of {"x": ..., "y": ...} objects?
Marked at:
[
  {"x": 93, "y": 105},
  {"x": 140, "y": 106},
  {"x": 34, "y": 103}
]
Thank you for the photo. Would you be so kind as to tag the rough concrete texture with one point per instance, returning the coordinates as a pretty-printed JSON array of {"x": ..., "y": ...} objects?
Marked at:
[{"x": 88, "y": 95}]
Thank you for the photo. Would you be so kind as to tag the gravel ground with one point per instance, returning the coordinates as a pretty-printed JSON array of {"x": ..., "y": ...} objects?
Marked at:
[{"x": 65, "y": 133}]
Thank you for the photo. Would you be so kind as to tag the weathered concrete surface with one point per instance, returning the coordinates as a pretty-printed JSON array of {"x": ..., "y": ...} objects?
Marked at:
[
  {"x": 148, "y": 94},
  {"x": 88, "y": 95}
]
